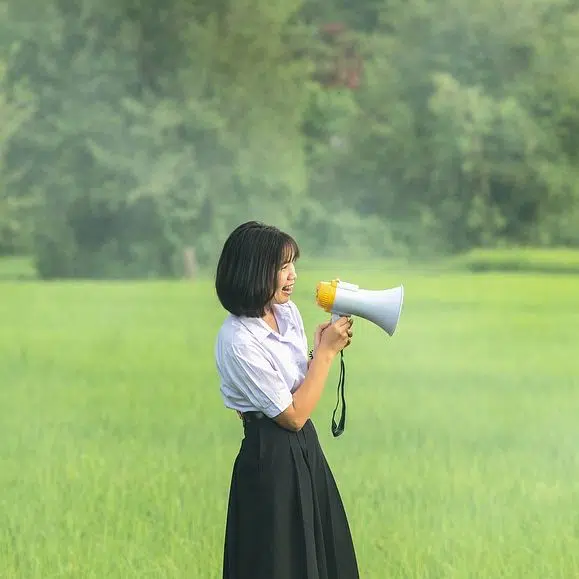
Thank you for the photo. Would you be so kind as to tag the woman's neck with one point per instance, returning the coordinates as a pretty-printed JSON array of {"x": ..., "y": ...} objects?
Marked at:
[{"x": 270, "y": 320}]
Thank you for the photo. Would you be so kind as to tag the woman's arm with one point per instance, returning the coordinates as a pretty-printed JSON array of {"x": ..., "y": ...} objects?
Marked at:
[
  {"x": 317, "y": 337},
  {"x": 332, "y": 339},
  {"x": 306, "y": 397}
]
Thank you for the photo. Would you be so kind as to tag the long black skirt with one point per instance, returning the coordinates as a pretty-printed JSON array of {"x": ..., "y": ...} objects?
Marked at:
[{"x": 285, "y": 517}]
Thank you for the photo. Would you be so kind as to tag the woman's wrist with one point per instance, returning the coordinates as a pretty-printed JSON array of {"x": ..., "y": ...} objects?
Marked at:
[{"x": 320, "y": 351}]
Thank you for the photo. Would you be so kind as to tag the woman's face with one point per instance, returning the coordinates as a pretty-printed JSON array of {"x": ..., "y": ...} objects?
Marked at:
[{"x": 286, "y": 278}]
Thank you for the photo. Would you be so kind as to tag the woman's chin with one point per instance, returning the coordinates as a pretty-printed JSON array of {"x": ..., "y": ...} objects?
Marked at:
[{"x": 283, "y": 297}]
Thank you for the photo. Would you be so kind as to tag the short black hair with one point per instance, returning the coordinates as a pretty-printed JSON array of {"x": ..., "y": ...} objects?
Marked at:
[{"x": 246, "y": 275}]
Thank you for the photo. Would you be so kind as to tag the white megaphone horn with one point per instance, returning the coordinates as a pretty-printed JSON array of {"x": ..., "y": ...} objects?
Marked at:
[{"x": 382, "y": 307}]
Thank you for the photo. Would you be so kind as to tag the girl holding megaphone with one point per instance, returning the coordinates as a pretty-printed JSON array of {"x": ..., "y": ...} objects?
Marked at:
[{"x": 285, "y": 516}]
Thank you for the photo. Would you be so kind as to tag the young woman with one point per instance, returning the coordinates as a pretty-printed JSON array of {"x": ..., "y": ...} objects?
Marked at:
[{"x": 285, "y": 517}]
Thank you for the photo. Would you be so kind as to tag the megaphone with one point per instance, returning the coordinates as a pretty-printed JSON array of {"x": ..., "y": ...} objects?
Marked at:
[{"x": 382, "y": 307}]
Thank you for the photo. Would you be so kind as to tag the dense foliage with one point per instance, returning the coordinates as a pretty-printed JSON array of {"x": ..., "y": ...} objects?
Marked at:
[{"x": 131, "y": 130}]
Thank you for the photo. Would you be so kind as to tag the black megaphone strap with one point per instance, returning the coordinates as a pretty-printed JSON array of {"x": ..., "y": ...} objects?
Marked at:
[{"x": 338, "y": 429}]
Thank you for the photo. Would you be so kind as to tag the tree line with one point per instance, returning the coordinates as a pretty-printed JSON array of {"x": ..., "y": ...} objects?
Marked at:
[{"x": 131, "y": 130}]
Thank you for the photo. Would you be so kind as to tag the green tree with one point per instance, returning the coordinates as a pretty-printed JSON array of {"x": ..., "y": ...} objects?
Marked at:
[
  {"x": 15, "y": 108},
  {"x": 141, "y": 161}
]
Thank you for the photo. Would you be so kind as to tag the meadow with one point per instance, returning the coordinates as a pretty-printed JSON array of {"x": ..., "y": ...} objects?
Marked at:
[{"x": 460, "y": 457}]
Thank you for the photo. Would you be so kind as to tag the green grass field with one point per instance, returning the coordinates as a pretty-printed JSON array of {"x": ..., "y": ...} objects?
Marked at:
[{"x": 460, "y": 457}]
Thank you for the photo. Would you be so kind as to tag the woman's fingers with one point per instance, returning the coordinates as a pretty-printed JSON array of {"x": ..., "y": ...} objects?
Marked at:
[{"x": 346, "y": 330}]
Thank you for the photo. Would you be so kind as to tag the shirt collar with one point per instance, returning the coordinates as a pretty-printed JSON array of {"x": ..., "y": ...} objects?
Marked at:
[{"x": 260, "y": 329}]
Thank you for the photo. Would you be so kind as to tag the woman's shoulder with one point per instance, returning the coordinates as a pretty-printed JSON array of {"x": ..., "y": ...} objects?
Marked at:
[
  {"x": 230, "y": 328},
  {"x": 235, "y": 333}
]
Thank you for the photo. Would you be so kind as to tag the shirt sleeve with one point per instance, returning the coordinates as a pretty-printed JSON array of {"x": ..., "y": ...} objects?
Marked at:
[{"x": 257, "y": 379}]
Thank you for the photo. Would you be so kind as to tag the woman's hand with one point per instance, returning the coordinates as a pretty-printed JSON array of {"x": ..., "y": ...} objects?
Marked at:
[
  {"x": 337, "y": 336},
  {"x": 318, "y": 334}
]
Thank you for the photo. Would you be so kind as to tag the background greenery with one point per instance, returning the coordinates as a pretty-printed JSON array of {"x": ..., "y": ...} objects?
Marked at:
[{"x": 131, "y": 130}]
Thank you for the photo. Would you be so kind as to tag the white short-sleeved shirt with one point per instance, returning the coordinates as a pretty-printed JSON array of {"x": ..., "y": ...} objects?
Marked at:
[{"x": 259, "y": 369}]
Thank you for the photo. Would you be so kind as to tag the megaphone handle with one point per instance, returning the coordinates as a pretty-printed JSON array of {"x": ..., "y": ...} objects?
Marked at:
[{"x": 336, "y": 316}]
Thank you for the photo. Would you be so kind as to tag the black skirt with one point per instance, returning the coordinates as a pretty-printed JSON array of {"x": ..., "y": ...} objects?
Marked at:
[{"x": 285, "y": 517}]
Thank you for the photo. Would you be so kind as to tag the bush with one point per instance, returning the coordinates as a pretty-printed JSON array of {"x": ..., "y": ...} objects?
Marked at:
[{"x": 562, "y": 261}]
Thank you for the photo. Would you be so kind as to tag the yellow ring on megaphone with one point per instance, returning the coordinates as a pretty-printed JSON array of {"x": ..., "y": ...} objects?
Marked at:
[{"x": 326, "y": 294}]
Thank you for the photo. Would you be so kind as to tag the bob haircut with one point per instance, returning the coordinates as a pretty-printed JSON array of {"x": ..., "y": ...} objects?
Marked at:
[{"x": 246, "y": 275}]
